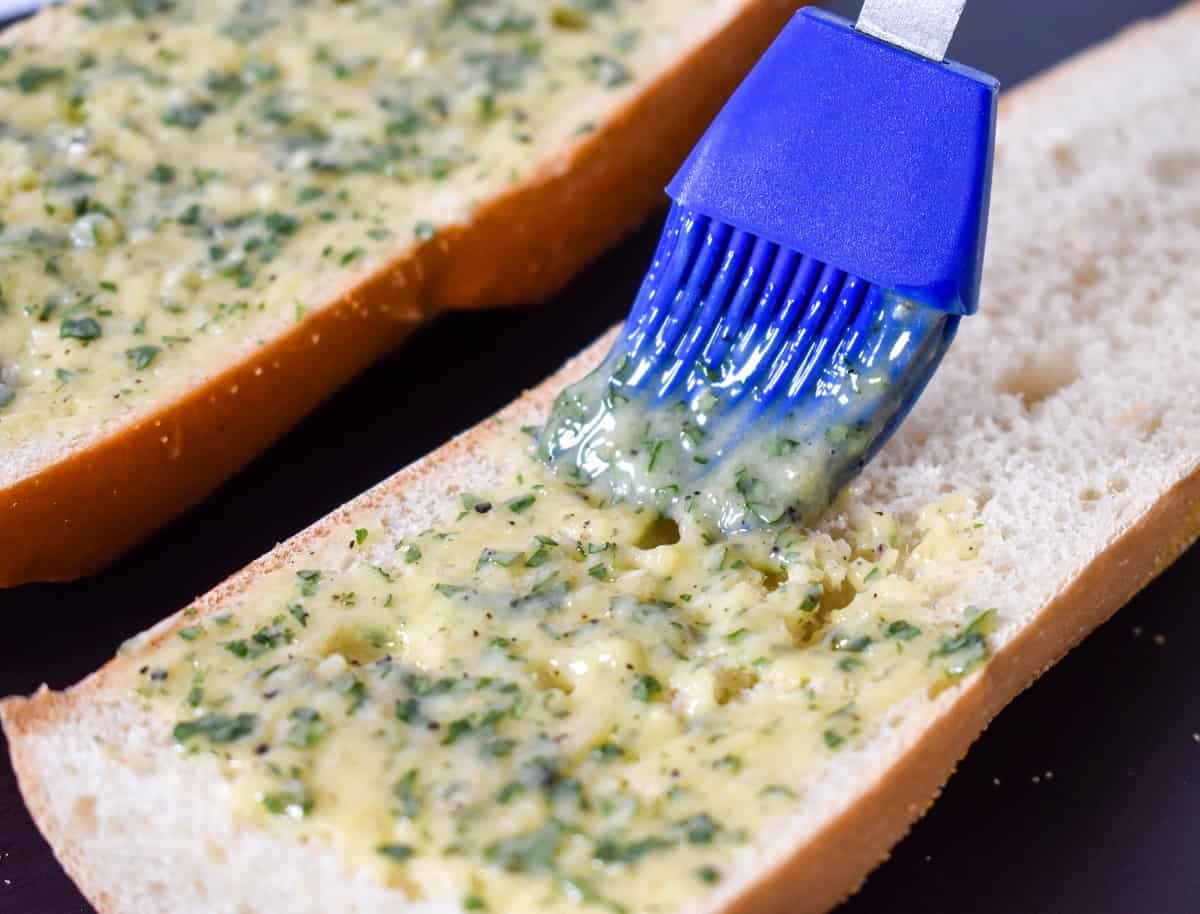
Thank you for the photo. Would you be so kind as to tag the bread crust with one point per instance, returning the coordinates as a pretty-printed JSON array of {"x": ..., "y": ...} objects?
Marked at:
[{"x": 76, "y": 515}]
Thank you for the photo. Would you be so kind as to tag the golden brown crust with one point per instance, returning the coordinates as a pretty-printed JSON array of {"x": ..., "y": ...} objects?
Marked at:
[{"x": 80, "y": 513}]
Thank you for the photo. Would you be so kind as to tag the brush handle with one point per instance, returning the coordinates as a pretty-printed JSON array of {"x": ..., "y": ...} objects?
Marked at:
[
  {"x": 924, "y": 27},
  {"x": 13, "y": 9}
]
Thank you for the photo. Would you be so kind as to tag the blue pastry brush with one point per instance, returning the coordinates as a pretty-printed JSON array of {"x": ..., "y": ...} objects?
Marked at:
[{"x": 826, "y": 237}]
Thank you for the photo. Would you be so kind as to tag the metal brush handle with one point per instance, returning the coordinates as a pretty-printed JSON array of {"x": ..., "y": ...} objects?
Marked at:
[{"x": 924, "y": 27}]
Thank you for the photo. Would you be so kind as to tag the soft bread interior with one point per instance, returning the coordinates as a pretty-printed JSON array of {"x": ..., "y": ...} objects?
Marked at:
[{"x": 1068, "y": 408}]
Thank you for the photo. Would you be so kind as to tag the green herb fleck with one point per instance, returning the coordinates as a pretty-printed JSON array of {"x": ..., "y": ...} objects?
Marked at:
[
  {"x": 296, "y": 801},
  {"x": 309, "y": 582},
  {"x": 970, "y": 648},
  {"x": 700, "y": 828},
  {"x": 600, "y": 572},
  {"x": 397, "y": 853},
  {"x": 306, "y": 728},
  {"x": 218, "y": 728},
  {"x": 608, "y": 71},
  {"x": 408, "y": 711},
  {"x": 606, "y": 752},
  {"x": 840, "y": 642},
  {"x": 79, "y": 328},
  {"x": 299, "y": 614},
  {"x": 901, "y": 630},
  {"x": 405, "y": 790},
  {"x": 189, "y": 116},
  {"x": 141, "y": 356},
  {"x": 529, "y": 852},
  {"x": 610, "y": 850},
  {"x": 521, "y": 503},
  {"x": 538, "y": 558},
  {"x": 646, "y": 687},
  {"x": 730, "y": 761},
  {"x": 34, "y": 77}
]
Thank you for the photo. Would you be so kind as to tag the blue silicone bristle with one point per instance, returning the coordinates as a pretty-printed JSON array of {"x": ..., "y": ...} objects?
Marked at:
[
  {"x": 826, "y": 236},
  {"x": 760, "y": 324}
]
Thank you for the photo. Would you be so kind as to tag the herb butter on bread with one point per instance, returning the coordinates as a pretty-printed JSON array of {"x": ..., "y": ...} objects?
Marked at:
[
  {"x": 213, "y": 212},
  {"x": 542, "y": 690}
]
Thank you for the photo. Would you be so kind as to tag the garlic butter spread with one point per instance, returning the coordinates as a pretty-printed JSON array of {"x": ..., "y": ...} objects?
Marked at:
[
  {"x": 545, "y": 703},
  {"x": 180, "y": 179},
  {"x": 746, "y": 439}
]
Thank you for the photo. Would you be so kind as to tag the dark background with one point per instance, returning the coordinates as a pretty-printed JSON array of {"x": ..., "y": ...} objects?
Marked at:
[{"x": 1082, "y": 797}]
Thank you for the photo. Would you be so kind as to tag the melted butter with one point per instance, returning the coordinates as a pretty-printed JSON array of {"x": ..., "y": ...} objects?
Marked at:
[
  {"x": 181, "y": 179},
  {"x": 734, "y": 439},
  {"x": 545, "y": 702}
]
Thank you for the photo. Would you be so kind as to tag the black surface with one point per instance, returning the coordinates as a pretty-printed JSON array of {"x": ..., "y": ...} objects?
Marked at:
[{"x": 1114, "y": 828}]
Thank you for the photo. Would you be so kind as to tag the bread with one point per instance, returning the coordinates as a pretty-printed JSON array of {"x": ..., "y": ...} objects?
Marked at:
[
  {"x": 82, "y": 490},
  {"x": 1066, "y": 408}
]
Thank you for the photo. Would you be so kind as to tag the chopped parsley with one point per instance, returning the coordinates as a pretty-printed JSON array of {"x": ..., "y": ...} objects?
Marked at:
[
  {"x": 520, "y": 503},
  {"x": 646, "y": 688},
  {"x": 217, "y": 728},
  {"x": 35, "y": 77},
  {"x": 309, "y": 582},
  {"x": 80, "y": 328},
  {"x": 142, "y": 356}
]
